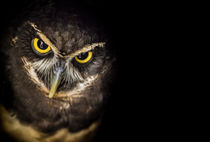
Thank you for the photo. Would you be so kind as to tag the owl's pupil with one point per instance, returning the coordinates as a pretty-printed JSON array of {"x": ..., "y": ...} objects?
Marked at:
[
  {"x": 83, "y": 56},
  {"x": 42, "y": 45}
]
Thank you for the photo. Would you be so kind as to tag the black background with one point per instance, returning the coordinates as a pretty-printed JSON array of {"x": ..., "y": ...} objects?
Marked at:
[
  {"x": 154, "y": 41},
  {"x": 134, "y": 112}
]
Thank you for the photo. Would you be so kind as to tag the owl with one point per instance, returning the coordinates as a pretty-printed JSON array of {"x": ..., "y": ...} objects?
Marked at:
[{"x": 57, "y": 66}]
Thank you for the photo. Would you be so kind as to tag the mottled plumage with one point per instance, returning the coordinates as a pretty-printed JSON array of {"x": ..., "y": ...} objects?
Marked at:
[{"x": 82, "y": 89}]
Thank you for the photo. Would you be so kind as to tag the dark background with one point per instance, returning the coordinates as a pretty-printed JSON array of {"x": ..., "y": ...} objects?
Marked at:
[
  {"x": 155, "y": 44},
  {"x": 134, "y": 111}
]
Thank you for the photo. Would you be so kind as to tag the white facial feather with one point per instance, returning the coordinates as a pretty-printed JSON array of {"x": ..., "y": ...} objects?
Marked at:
[
  {"x": 80, "y": 87},
  {"x": 44, "y": 65},
  {"x": 45, "y": 68},
  {"x": 71, "y": 73},
  {"x": 32, "y": 74}
]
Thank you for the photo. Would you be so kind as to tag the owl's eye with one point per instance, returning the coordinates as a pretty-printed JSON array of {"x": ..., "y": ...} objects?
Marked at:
[
  {"x": 40, "y": 47},
  {"x": 84, "y": 57}
]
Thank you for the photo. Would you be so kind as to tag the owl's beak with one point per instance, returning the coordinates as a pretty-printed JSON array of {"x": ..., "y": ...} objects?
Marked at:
[{"x": 55, "y": 81}]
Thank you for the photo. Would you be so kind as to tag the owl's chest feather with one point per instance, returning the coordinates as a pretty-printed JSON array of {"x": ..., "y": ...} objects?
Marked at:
[{"x": 26, "y": 133}]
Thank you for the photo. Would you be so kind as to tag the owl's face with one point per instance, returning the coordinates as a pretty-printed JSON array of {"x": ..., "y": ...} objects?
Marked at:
[
  {"x": 59, "y": 66},
  {"x": 62, "y": 63}
]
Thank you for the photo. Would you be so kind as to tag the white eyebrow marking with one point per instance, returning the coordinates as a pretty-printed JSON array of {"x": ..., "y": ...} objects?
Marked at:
[
  {"x": 86, "y": 48},
  {"x": 45, "y": 39}
]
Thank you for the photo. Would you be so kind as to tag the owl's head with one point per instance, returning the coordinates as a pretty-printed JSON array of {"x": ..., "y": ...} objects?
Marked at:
[{"x": 59, "y": 65}]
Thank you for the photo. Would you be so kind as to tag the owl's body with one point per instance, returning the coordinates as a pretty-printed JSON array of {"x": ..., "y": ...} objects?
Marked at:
[
  {"x": 57, "y": 68},
  {"x": 21, "y": 132}
]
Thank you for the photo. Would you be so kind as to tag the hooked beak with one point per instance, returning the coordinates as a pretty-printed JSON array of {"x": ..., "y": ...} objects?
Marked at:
[{"x": 55, "y": 81}]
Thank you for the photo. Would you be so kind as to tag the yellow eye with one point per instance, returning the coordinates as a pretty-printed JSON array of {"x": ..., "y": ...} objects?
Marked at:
[
  {"x": 40, "y": 47},
  {"x": 84, "y": 57}
]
